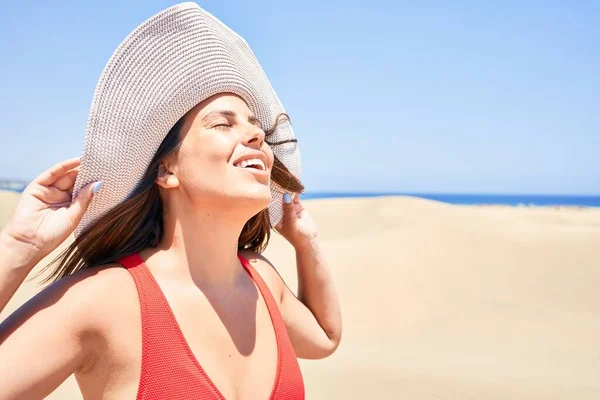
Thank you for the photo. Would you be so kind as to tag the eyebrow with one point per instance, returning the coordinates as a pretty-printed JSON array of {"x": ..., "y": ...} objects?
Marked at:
[{"x": 228, "y": 113}]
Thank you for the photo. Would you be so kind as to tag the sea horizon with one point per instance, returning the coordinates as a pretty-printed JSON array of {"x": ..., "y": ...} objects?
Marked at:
[{"x": 510, "y": 199}]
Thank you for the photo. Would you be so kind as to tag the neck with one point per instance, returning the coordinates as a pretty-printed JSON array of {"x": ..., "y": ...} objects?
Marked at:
[{"x": 201, "y": 243}]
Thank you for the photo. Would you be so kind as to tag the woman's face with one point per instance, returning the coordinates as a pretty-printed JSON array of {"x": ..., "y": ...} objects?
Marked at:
[{"x": 223, "y": 157}]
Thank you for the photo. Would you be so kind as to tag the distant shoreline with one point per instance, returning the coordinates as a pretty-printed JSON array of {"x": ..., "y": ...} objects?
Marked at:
[
  {"x": 477, "y": 199},
  {"x": 12, "y": 185},
  {"x": 515, "y": 200}
]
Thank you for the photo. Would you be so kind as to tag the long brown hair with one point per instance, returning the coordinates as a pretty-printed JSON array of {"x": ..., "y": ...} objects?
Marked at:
[{"x": 137, "y": 223}]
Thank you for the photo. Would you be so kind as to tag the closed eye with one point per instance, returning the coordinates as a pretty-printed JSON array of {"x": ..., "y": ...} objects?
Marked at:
[{"x": 222, "y": 126}]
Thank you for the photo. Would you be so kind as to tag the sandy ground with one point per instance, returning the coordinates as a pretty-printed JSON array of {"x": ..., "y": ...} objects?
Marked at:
[{"x": 449, "y": 302}]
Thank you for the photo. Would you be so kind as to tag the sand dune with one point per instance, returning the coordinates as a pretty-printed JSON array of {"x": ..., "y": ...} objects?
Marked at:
[{"x": 450, "y": 302}]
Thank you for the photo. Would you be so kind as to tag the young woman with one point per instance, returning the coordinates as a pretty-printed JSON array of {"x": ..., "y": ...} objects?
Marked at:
[{"x": 164, "y": 293}]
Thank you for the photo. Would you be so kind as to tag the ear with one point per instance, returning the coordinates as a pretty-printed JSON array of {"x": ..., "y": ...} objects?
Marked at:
[{"x": 166, "y": 177}]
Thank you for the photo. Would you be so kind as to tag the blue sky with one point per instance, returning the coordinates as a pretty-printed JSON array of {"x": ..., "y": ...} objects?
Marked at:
[{"x": 463, "y": 96}]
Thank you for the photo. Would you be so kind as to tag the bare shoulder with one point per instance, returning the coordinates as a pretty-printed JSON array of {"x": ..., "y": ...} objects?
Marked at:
[
  {"x": 74, "y": 317},
  {"x": 77, "y": 301},
  {"x": 267, "y": 271},
  {"x": 101, "y": 293}
]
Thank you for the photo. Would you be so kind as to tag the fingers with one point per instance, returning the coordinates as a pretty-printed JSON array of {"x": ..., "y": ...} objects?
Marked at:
[
  {"x": 82, "y": 201},
  {"x": 52, "y": 174},
  {"x": 298, "y": 208},
  {"x": 50, "y": 195},
  {"x": 289, "y": 211},
  {"x": 292, "y": 209},
  {"x": 67, "y": 181}
]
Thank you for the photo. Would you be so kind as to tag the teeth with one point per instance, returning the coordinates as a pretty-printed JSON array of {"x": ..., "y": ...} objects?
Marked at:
[
  {"x": 252, "y": 161},
  {"x": 262, "y": 164}
]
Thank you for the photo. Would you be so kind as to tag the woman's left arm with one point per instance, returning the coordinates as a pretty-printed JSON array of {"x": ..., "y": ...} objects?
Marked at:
[{"x": 313, "y": 319}]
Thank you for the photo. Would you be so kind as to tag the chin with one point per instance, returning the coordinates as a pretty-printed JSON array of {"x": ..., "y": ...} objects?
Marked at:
[{"x": 258, "y": 197}]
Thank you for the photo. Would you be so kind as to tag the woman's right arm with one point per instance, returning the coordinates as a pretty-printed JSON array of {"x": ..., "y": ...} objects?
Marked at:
[
  {"x": 14, "y": 267},
  {"x": 44, "y": 217},
  {"x": 50, "y": 336}
]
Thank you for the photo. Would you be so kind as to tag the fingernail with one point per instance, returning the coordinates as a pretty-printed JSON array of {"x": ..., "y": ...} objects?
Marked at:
[
  {"x": 97, "y": 186},
  {"x": 287, "y": 198}
]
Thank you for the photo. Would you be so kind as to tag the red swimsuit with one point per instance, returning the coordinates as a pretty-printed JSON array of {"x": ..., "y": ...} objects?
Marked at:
[{"x": 169, "y": 369}]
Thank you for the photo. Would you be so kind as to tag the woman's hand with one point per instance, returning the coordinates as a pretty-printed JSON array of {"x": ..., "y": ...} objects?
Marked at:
[
  {"x": 297, "y": 225},
  {"x": 46, "y": 214},
  {"x": 312, "y": 316}
]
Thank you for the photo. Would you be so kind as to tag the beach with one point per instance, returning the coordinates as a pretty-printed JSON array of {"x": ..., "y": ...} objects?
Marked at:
[{"x": 443, "y": 301}]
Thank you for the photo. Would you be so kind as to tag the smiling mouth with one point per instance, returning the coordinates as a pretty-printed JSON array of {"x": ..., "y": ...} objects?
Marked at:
[{"x": 254, "y": 163}]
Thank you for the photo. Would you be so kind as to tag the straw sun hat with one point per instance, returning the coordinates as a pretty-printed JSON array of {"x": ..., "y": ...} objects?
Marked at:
[{"x": 167, "y": 65}]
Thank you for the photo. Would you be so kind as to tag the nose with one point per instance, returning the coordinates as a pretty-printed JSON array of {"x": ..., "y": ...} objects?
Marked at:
[{"x": 254, "y": 137}]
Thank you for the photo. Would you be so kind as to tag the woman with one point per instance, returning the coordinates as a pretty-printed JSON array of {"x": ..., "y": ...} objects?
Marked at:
[{"x": 164, "y": 293}]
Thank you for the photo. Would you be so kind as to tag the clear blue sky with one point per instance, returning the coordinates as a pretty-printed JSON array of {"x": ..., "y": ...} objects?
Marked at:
[{"x": 462, "y": 96}]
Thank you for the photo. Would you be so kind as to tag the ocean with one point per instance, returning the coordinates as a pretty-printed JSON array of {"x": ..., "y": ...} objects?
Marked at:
[{"x": 497, "y": 199}]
